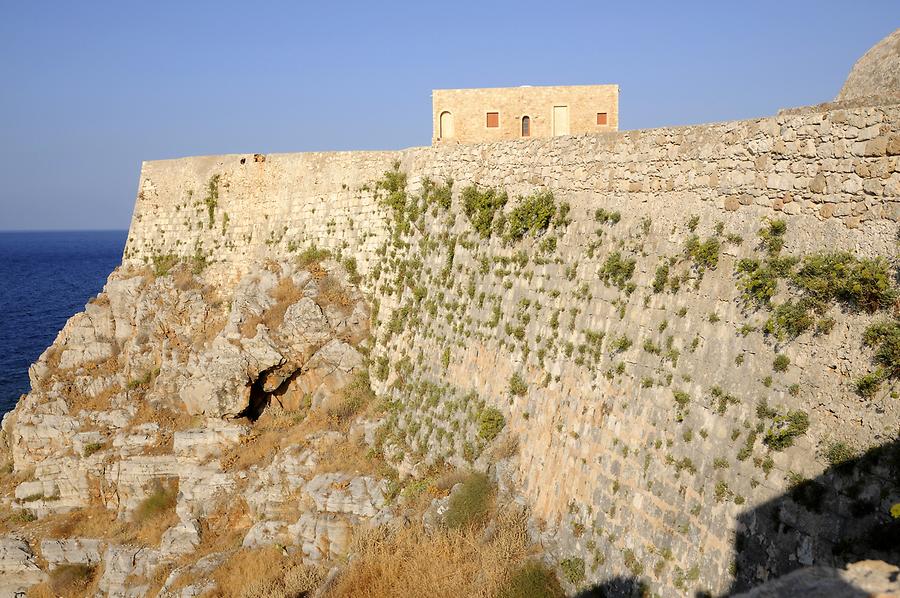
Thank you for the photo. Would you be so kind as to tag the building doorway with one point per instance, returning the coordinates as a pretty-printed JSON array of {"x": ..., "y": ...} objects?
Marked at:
[
  {"x": 445, "y": 126},
  {"x": 526, "y": 126},
  {"x": 560, "y": 120}
]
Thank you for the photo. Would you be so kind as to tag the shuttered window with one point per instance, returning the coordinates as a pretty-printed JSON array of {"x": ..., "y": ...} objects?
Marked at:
[{"x": 493, "y": 120}]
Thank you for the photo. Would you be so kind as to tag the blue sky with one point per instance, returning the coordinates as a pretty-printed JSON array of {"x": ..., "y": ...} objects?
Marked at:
[{"x": 90, "y": 89}]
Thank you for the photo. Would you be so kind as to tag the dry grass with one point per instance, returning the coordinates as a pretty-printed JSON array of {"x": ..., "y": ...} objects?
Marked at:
[
  {"x": 72, "y": 581},
  {"x": 332, "y": 293},
  {"x": 156, "y": 513},
  {"x": 354, "y": 398},
  {"x": 414, "y": 562},
  {"x": 264, "y": 573},
  {"x": 285, "y": 293}
]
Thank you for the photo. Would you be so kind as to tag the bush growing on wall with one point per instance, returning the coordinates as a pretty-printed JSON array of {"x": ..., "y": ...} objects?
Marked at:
[
  {"x": 481, "y": 206},
  {"x": 532, "y": 216},
  {"x": 490, "y": 423}
]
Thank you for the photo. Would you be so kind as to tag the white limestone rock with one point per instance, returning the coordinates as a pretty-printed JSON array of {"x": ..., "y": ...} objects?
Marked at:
[
  {"x": 71, "y": 551},
  {"x": 18, "y": 570}
]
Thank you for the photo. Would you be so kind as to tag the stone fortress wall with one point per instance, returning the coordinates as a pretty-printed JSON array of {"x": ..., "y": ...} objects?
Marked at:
[{"x": 600, "y": 442}]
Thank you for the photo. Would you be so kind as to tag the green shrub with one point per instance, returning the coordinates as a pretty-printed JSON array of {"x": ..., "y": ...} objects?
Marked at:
[
  {"x": 603, "y": 216},
  {"x": 723, "y": 399},
  {"x": 772, "y": 236},
  {"x": 532, "y": 216},
  {"x": 352, "y": 398},
  {"x": 790, "y": 319},
  {"x": 531, "y": 580},
  {"x": 490, "y": 423},
  {"x": 160, "y": 500},
  {"x": 682, "y": 398},
  {"x": 163, "y": 264},
  {"x": 781, "y": 362},
  {"x": 471, "y": 503},
  {"x": 839, "y": 453},
  {"x": 632, "y": 563},
  {"x": 863, "y": 283},
  {"x": 212, "y": 198},
  {"x": 660, "y": 278},
  {"x": 312, "y": 255},
  {"x": 722, "y": 492},
  {"x": 885, "y": 337},
  {"x": 704, "y": 254},
  {"x": 442, "y": 195},
  {"x": 617, "y": 270},
  {"x": 481, "y": 206},
  {"x": 785, "y": 428},
  {"x": 517, "y": 385},
  {"x": 620, "y": 343},
  {"x": 759, "y": 280},
  {"x": 573, "y": 570},
  {"x": 92, "y": 447},
  {"x": 867, "y": 386}
]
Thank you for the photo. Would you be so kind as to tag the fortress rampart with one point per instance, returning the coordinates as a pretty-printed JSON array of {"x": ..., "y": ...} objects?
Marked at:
[{"x": 603, "y": 447}]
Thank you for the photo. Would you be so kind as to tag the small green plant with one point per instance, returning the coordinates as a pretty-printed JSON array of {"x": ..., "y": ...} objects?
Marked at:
[
  {"x": 471, "y": 503},
  {"x": 869, "y": 384},
  {"x": 838, "y": 453},
  {"x": 681, "y": 398},
  {"x": 163, "y": 264},
  {"x": 92, "y": 447},
  {"x": 772, "y": 236},
  {"x": 660, "y": 278},
  {"x": 617, "y": 270},
  {"x": 620, "y": 343},
  {"x": 312, "y": 255},
  {"x": 607, "y": 217},
  {"x": 705, "y": 254},
  {"x": 490, "y": 423},
  {"x": 159, "y": 501},
  {"x": 531, "y": 216},
  {"x": 632, "y": 563},
  {"x": 532, "y": 579},
  {"x": 722, "y": 492},
  {"x": 212, "y": 198},
  {"x": 517, "y": 385},
  {"x": 885, "y": 338},
  {"x": 573, "y": 570},
  {"x": 781, "y": 363},
  {"x": 785, "y": 428},
  {"x": 480, "y": 207}
]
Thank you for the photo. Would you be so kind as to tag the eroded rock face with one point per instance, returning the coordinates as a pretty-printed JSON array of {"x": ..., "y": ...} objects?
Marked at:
[
  {"x": 865, "y": 578},
  {"x": 877, "y": 73},
  {"x": 148, "y": 398}
]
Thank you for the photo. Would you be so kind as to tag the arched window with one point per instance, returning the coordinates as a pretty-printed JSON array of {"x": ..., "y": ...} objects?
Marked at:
[
  {"x": 526, "y": 126},
  {"x": 446, "y": 125}
]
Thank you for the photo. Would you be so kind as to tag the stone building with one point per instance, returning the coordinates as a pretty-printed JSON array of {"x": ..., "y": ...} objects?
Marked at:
[{"x": 493, "y": 114}]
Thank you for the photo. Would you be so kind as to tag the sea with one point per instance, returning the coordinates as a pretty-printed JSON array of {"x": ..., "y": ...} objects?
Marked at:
[{"x": 45, "y": 278}]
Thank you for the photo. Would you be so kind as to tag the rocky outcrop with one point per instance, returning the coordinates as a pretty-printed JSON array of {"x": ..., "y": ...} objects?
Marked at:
[
  {"x": 875, "y": 579},
  {"x": 877, "y": 73},
  {"x": 142, "y": 407}
]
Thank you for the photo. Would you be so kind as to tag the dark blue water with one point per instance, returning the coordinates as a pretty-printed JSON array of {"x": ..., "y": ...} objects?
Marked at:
[{"x": 45, "y": 278}]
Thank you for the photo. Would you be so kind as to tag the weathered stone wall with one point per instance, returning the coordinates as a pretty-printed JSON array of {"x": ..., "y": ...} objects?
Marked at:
[{"x": 604, "y": 447}]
